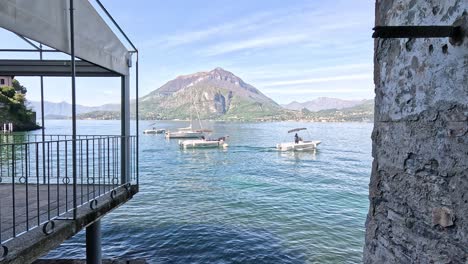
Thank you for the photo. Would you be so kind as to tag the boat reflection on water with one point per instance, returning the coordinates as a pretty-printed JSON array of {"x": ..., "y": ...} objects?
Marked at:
[
  {"x": 299, "y": 155},
  {"x": 202, "y": 151}
]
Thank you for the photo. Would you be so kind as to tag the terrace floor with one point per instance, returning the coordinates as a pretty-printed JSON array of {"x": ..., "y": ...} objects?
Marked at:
[
  {"x": 29, "y": 206},
  {"x": 21, "y": 204}
]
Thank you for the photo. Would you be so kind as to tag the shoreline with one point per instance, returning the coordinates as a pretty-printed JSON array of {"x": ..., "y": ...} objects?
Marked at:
[{"x": 223, "y": 121}]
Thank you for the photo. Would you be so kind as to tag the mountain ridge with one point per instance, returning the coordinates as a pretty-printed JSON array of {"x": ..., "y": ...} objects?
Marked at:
[
  {"x": 63, "y": 109},
  {"x": 323, "y": 103}
]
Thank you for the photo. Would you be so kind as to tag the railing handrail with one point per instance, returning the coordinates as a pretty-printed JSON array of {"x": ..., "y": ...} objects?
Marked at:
[{"x": 79, "y": 138}]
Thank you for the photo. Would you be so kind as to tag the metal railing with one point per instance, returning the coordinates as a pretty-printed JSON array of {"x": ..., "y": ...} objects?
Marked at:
[{"x": 37, "y": 183}]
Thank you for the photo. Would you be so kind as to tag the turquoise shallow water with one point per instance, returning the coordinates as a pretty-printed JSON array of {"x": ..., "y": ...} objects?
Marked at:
[{"x": 246, "y": 204}]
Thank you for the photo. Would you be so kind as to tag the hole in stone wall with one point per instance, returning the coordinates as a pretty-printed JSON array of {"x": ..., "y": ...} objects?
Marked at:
[
  {"x": 431, "y": 49},
  {"x": 409, "y": 44},
  {"x": 445, "y": 49}
]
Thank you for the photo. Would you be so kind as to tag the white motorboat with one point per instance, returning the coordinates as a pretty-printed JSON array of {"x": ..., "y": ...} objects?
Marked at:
[
  {"x": 299, "y": 144},
  {"x": 204, "y": 143},
  {"x": 154, "y": 131}
]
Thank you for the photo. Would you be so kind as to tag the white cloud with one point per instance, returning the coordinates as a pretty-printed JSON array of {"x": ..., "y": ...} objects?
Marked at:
[
  {"x": 276, "y": 72},
  {"x": 316, "y": 91},
  {"x": 351, "y": 77},
  {"x": 260, "y": 42},
  {"x": 247, "y": 24}
]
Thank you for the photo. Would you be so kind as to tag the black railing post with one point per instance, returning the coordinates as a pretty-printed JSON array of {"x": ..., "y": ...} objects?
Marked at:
[
  {"x": 42, "y": 115},
  {"x": 13, "y": 171}
]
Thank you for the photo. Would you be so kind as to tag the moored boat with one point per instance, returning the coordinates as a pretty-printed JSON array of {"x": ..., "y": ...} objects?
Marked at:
[
  {"x": 154, "y": 131},
  {"x": 184, "y": 134},
  {"x": 204, "y": 143}
]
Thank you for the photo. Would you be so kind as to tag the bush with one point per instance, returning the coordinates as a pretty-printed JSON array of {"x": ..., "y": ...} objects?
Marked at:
[
  {"x": 8, "y": 91},
  {"x": 18, "y": 87},
  {"x": 20, "y": 98}
]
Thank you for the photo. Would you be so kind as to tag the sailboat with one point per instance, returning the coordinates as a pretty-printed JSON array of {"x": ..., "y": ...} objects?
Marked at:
[
  {"x": 187, "y": 132},
  {"x": 299, "y": 144}
]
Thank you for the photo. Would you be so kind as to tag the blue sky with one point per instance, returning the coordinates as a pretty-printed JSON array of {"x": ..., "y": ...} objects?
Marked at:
[{"x": 290, "y": 50}]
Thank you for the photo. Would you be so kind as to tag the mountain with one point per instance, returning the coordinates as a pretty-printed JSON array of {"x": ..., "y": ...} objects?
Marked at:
[
  {"x": 323, "y": 103},
  {"x": 217, "y": 94},
  {"x": 363, "y": 112},
  {"x": 63, "y": 109}
]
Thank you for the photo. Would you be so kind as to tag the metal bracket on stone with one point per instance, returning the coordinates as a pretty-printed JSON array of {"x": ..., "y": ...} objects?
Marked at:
[
  {"x": 417, "y": 32},
  {"x": 456, "y": 32}
]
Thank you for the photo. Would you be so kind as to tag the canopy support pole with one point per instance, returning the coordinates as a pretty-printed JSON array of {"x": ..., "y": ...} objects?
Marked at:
[
  {"x": 125, "y": 129},
  {"x": 73, "y": 84}
]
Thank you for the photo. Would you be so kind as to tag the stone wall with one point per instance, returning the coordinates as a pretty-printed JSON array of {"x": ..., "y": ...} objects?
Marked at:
[{"x": 419, "y": 185}]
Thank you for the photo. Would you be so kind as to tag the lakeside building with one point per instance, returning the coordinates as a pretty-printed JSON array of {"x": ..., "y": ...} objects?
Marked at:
[
  {"x": 53, "y": 186},
  {"x": 6, "y": 81}
]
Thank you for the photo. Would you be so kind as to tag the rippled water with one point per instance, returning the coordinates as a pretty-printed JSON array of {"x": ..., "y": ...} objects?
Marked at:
[{"x": 246, "y": 204}]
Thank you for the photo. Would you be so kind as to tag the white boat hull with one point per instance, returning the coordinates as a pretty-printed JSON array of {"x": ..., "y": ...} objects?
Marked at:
[
  {"x": 201, "y": 143},
  {"x": 184, "y": 134},
  {"x": 154, "y": 131},
  {"x": 301, "y": 146}
]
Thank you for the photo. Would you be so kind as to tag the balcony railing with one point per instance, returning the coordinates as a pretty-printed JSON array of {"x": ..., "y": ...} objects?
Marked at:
[{"x": 37, "y": 183}]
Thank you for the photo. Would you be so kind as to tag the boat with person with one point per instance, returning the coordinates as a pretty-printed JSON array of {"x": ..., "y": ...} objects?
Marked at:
[{"x": 299, "y": 144}]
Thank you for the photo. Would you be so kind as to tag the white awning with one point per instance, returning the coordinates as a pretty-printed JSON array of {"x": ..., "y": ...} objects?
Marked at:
[{"x": 48, "y": 22}]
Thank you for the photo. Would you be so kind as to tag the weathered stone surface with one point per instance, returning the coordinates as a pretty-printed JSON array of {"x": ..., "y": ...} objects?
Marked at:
[
  {"x": 442, "y": 216},
  {"x": 418, "y": 191}
]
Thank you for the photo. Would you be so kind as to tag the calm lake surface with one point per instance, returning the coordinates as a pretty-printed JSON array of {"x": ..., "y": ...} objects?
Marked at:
[{"x": 246, "y": 204}]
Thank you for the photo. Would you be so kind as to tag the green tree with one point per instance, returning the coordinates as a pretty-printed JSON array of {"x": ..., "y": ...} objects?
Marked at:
[
  {"x": 20, "y": 98},
  {"x": 18, "y": 87},
  {"x": 8, "y": 91}
]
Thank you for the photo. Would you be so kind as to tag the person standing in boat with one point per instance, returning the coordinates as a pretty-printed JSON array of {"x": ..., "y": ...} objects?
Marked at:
[{"x": 296, "y": 138}]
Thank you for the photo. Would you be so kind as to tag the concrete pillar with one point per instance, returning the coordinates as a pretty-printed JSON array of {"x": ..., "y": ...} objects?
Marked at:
[
  {"x": 418, "y": 191},
  {"x": 93, "y": 243}
]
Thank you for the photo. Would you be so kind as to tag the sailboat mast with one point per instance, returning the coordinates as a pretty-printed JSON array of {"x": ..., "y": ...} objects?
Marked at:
[
  {"x": 191, "y": 118},
  {"x": 191, "y": 109}
]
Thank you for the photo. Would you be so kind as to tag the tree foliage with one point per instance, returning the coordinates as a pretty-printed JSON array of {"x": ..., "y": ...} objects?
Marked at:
[
  {"x": 8, "y": 91},
  {"x": 20, "y": 98},
  {"x": 18, "y": 87},
  {"x": 13, "y": 108}
]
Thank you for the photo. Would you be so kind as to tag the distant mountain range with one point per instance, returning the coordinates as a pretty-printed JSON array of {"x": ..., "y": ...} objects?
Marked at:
[
  {"x": 63, "y": 110},
  {"x": 323, "y": 103},
  {"x": 363, "y": 112},
  {"x": 219, "y": 95}
]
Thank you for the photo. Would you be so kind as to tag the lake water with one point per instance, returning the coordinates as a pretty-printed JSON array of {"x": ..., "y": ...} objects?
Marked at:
[{"x": 246, "y": 204}]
